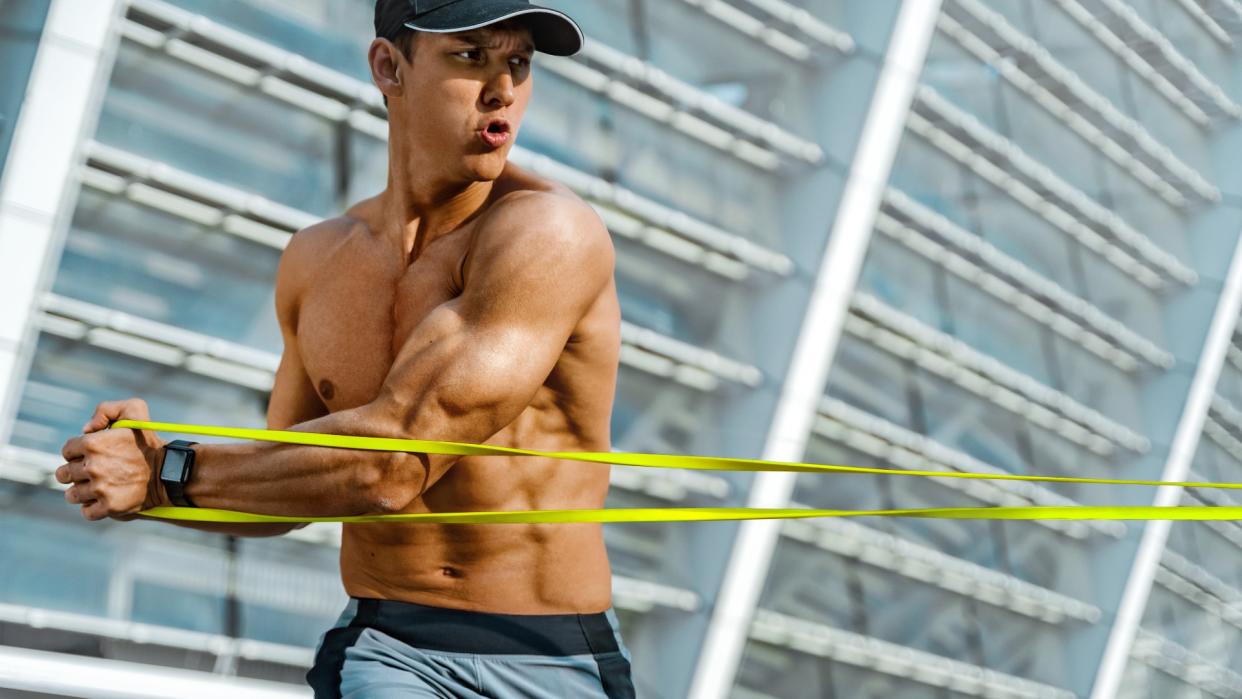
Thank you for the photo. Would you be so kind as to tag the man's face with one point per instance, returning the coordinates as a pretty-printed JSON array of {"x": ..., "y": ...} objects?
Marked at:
[{"x": 458, "y": 84}]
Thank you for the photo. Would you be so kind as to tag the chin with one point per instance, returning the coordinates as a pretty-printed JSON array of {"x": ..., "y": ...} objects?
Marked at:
[{"x": 490, "y": 168}]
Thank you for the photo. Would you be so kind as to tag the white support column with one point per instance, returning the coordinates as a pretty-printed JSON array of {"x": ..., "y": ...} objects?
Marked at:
[
  {"x": 39, "y": 184},
  {"x": 1177, "y": 468},
  {"x": 817, "y": 341}
]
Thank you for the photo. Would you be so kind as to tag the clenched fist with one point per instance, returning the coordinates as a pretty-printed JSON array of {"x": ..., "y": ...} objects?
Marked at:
[{"x": 114, "y": 473}]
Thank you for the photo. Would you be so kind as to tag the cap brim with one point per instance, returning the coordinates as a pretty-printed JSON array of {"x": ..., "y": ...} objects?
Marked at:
[{"x": 552, "y": 31}]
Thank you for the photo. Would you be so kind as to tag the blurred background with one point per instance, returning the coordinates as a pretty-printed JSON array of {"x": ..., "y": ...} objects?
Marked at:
[{"x": 956, "y": 236}]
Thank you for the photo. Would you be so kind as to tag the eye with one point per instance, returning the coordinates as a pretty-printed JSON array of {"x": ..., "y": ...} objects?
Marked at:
[
  {"x": 475, "y": 53},
  {"x": 522, "y": 61}
]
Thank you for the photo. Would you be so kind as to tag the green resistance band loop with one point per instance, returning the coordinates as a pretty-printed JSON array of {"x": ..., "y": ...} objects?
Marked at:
[{"x": 673, "y": 514}]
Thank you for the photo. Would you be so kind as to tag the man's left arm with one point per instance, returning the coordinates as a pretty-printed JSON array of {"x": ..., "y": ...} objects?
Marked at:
[{"x": 466, "y": 371}]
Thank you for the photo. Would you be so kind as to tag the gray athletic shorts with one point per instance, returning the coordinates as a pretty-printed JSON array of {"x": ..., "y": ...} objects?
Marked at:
[{"x": 385, "y": 649}]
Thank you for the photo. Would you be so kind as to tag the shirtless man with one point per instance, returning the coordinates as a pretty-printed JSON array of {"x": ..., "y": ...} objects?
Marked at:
[{"x": 470, "y": 301}]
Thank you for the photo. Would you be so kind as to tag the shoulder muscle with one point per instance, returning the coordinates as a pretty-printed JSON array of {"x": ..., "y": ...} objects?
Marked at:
[{"x": 541, "y": 240}]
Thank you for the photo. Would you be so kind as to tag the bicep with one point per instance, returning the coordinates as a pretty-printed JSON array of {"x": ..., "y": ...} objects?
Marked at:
[
  {"x": 474, "y": 363},
  {"x": 530, "y": 279},
  {"x": 459, "y": 381},
  {"x": 459, "y": 378}
]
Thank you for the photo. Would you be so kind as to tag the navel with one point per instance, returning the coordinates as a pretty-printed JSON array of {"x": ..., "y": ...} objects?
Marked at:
[{"x": 326, "y": 389}]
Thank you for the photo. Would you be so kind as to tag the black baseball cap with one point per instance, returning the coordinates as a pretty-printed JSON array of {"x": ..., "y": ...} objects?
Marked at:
[{"x": 552, "y": 31}]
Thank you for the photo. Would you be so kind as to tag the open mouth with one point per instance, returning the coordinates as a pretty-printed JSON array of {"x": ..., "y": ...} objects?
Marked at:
[{"x": 496, "y": 134}]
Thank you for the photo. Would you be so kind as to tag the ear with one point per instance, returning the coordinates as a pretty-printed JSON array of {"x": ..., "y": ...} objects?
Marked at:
[{"x": 386, "y": 63}]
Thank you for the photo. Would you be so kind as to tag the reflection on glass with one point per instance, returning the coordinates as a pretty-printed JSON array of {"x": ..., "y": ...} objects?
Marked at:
[
  {"x": 162, "y": 109},
  {"x": 177, "y": 579},
  {"x": 82, "y": 376},
  {"x": 962, "y": 420},
  {"x": 1209, "y": 548},
  {"x": 872, "y": 380},
  {"x": 62, "y": 564},
  {"x": 933, "y": 179},
  {"x": 1101, "y": 385},
  {"x": 999, "y": 330},
  {"x": 1177, "y": 619},
  {"x": 170, "y": 270},
  {"x": 904, "y": 280},
  {"x": 644, "y": 306},
  {"x": 334, "y": 33}
]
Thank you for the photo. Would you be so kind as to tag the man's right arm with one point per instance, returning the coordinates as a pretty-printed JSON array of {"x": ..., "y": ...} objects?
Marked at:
[{"x": 293, "y": 398}]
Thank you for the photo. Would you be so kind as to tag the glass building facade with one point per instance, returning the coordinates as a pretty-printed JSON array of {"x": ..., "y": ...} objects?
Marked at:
[{"x": 950, "y": 236}]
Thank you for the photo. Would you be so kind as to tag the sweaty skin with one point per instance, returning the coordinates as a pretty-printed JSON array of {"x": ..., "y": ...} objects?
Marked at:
[{"x": 469, "y": 301}]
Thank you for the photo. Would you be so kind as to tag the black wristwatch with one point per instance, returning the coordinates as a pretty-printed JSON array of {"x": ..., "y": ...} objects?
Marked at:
[{"x": 176, "y": 469}]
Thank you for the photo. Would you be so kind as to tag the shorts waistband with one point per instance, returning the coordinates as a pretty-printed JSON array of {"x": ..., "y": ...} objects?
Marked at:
[{"x": 487, "y": 633}]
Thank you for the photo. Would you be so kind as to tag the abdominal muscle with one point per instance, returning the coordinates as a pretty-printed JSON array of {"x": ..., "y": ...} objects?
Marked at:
[{"x": 502, "y": 568}]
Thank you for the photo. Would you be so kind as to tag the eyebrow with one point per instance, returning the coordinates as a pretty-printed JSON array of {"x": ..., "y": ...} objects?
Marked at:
[{"x": 485, "y": 40}]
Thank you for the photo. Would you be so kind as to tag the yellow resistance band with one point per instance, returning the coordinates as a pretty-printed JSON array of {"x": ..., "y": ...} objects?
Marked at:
[{"x": 670, "y": 514}]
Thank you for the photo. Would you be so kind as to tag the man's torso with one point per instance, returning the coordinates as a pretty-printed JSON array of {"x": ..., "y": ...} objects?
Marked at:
[{"x": 358, "y": 308}]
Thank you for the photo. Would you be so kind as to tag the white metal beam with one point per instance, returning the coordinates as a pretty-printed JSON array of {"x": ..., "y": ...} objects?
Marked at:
[
  {"x": 67, "y": 675},
  {"x": 1181, "y": 453},
  {"x": 817, "y": 341},
  {"x": 39, "y": 184}
]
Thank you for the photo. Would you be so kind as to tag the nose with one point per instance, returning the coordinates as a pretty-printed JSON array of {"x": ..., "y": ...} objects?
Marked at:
[{"x": 498, "y": 92}]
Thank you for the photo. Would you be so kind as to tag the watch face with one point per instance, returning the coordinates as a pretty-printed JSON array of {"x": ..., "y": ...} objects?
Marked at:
[{"x": 174, "y": 466}]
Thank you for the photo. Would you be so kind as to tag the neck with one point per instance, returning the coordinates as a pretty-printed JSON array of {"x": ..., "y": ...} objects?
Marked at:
[{"x": 424, "y": 200}]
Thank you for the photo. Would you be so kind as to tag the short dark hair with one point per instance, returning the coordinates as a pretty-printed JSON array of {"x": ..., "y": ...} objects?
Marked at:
[{"x": 390, "y": 18}]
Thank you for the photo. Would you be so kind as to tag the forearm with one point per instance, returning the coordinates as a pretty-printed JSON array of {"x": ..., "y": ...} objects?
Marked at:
[{"x": 298, "y": 480}]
